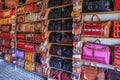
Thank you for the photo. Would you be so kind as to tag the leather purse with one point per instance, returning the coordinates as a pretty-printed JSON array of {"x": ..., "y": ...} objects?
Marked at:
[
  {"x": 39, "y": 68},
  {"x": 97, "y": 5},
  {"x": 6, "y": 28},
  {"x": 116, "y": 28},
  {"x": 11, "y": 3},
  {"x": 38, "y": 58},
  {"x": 30, "y": 56},
  {"x": 6, "y": 42},
  {"x": 21, "y": 19},
  {"x": 20, "y": 10},
  {"x": 30, "y": 7},
  {"x": 67, "y": 65},
  {"x": 21, "y": 36},
  {"x": 56, "y": 50},
  {"x": 67, "y": 24},
  {"x": 29, "y": 66},
  {"x": 52, "y": 3},
  {"x": 67, "y": 51},
  {"x": 67, "y": 38},
  {"x": 21, "y": 45},
  {"x": 20, "y": 54},
  {"x": 96, "y": 52},
  {"x": 113, "y": 75},
  {"x": 66, "y": 11},
  {"x": 40, "y": 37},
  {"x": 20, "y": 62},
  {"x": 29, "y": 46},
  {"x": 116, "y": 5},
  {"x": 97, "y": 28},
  {"x": 29, "y": 37},
  {"x": 66, "y": 76},
  {"x": 92, "y": 73}
]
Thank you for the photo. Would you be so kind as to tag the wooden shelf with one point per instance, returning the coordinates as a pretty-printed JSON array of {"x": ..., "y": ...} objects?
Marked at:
[
  {"x": 61, "y": 70},
  {"x": 24, "y": 32},
  {"x": 60, "y": 18},
  {"x": 61, "y": 6},
  {"x": 61, "y": 44},
  {"x": 59, "y": 31},
  {"x": 61, "y": 57},
  {"x": 106, "y": 12}
]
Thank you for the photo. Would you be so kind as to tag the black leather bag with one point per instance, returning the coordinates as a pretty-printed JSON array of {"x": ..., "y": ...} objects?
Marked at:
[
  {"x": 56, "y": 62},
  {"x": 52, "y": 3},
  {"x": 55, "y": 37},
  {"x": 55, "y": 25},
  {"x": 113, "y": 75},
  {"x": 67, "y": 51},
  {"x": 67, "y": 65},
  {"x": 38, "y": 58},
  {"x": 67, "y": 24},
  {"x": 97, "y": 5},
  {"x": 56, "y": 50}
]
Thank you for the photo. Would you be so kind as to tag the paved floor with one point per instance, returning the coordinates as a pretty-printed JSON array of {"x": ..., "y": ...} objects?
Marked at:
[{"x": 7, "y": 72}]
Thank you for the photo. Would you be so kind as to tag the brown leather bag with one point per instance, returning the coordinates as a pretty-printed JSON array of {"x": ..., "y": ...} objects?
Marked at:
[
  {"x": 67, "y": 38},
  {"x": 92, "y": 73}
]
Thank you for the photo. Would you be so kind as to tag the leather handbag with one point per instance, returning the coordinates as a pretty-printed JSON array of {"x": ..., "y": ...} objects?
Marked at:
[
  {"x": 96, "y": 52},
  {"x": 6, "y": 42},
  {"x": 40, "y": 37},
  {"x": 67, "y": 24},
  {"x": 92, "y": 73},
  {"x": 30, "y": 56},
  {"x": 113, "y": 75},
  {"x": 30, "y": 7},
  {"x": 67, "y": 51},
  {"x": 116, "y": 5},
  {"x": 66, "y": 76},
  {"x": 20, "y": 54},
  {"x": 38, "y": 58},
  {"x": 6, "y": 28},
  {"x": 97, "y": 5},
  {"x": 56, "y": 62},
  {"x": 67, "y": 65},
  {"x": 20, "y": 10},
  {"x": 11, "y": 3},
  {"x": 29, "y": 27},
  {"x": 52, "y": 3},
  {"x": 97, "y": 28},
  {"x": 20, "y": 62},
  {"x": 67, "y": 38},
  {"x": 56, "y": 50},
  {"x": 21, "y": 45},
  {"x": 29, "y": 66},
  {"x": 29, "y": 46},
  {"x": 39, "y": 68},
  {"x": 66, "y": 11},
  {"x": 21, "y": 19},
  {"x": 21, "y": 36},
  {"x": 38, "y": 48},
  {"x": 116, "y": 28},
  {"x": 116, "y": 55},
  {"x": 29, "y": 37}
]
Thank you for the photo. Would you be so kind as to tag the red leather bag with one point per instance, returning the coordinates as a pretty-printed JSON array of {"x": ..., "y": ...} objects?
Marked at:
[
  {"x": 30, "y": 7},
  {"x": 21, "y": 45},
  {"x": 96, "y": 28},
  {"x": 29, "y": 46},
  {"x": 20, "y": 36},
  {"x": 116, "y": 4},
  {"x": 66, "y": 76},
  {"x": 39, "y": 69},
  {"x": 6, "y": 28},
  {"x": 6, "y": 42},
  {"x": 5, "y": 35},
  {"x": 116, "y": 28},
  {"x": 39, "y": 37}
]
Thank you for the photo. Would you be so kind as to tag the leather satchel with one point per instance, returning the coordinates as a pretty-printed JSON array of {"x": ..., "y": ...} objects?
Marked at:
[
  {"x": 92, "y": 73},
  {"x": 30, "y": 7},
  {"x": 29, "y": 46},
  {"x": 113, "y": 75},
  {"x": 116, "y": 4},
  {"x": 116, "y": 28},
  {"x": 67, "y": 65},
  {"x": 97, "y": 28},
  {"x": 38, "y": 58},
  {"x": 39, "y": 68},
  {"x": 97, "y": 5},
  {"x": 96, "y": 52},
  {"x": 29, "y": 66},
  {"x": 21, "y": 36},
  {"x": 66, "y": 76}
]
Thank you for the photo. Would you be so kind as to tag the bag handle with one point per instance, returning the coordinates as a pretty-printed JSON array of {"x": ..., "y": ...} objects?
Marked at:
[
  {"x": 98, "y": 18},
  {"x": 97, "y": 40}
]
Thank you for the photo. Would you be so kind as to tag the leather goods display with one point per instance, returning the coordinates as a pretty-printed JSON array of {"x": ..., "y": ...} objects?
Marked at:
[
  {"x": 30, "y": 7},
  {"x": 29, "y": 37},
  {"x": 113, "y": 75},
  {"x": 67, "y": 24},
  {"x": 117, "y": 55},
  {"x": 29, "y": 66},
  {"x": 21, "y": 45},
  {"x": 66, "y": 11},
  {"x": 55, "y": 25},
  {"x": 52, "y": 3},
  {"x": 67, "y": 65},
  {"x": 20, "y": 19},
  {"x": 38, "y": 58},
  {"x": 92, "y": 73},
  {"x": 55, "y": 13},
  {"x": 20, "y": 54},
  {"x": 67, "y": 51},
  {"x": 97, "y": 28},
  {"x": 29, "y": 46},
  {"x": 56, "y": 50},
  {"x": 116, "y": 28},
  {"x": 97, "y": 5},
  {"x": 116, "y": 5},
  {"x": 21, "y": 36},
  {"x": 67, "y": 38},
  {"x": 20, "y": 62},
  {"x": 56, "y": 62},
  {"x": 30, "y": 56},
  {"x": 39, "y": 68},
  {"x": 96, "y": 52},
  {"x": 55, "y": 37}
]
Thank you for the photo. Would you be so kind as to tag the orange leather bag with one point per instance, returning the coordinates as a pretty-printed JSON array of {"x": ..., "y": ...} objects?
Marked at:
[{"x": 116, "y": 28}]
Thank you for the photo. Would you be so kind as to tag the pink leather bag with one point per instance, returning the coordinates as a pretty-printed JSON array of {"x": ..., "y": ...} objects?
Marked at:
[{"x": 96, "y": 52}]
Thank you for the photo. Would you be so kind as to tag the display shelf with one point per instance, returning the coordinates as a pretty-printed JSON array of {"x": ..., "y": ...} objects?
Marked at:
[
  {"x": 60, "y": 18},
  {"x": 61, "y": 69},
  {"x": 61, "y": 6},
  {"x": 60, "y": 56},
  {"x": 60, "y": 44},
  {"x": 24, "y": 32},
  {"x": 59, "y": 30}
]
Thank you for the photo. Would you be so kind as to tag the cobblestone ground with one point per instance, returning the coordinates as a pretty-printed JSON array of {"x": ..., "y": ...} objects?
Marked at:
[{"x": 7, "y": 72}]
